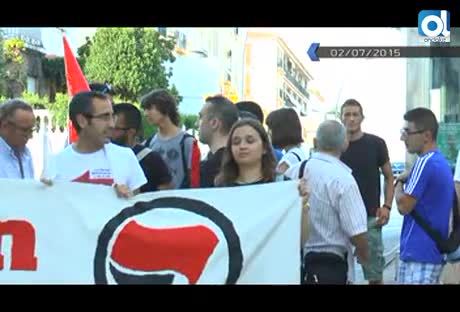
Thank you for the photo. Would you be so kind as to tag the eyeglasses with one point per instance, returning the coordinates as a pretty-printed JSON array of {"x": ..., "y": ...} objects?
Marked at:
[
  {"x": 405, "y": 132},
  {"x": 104, "y": 117},
  {"x": 23, "y": 129}
]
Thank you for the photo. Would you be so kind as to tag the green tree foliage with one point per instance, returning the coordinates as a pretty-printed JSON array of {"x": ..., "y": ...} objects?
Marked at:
[
  {"x": 59, "y": 109},
  {"x": 83, "y": 53},
  {"x": 189, "y": 121},
  {"x": 131, "y": 59},
  {"x": 54, "y": 73},
  {"x": 15, "y": 67}
]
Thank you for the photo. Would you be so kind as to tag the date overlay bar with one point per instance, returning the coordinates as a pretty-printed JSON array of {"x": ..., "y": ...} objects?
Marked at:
[{"x": 315, "y": 52}]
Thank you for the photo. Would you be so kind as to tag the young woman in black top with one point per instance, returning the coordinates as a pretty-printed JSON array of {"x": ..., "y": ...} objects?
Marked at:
[{"x": 248, "y": 159}]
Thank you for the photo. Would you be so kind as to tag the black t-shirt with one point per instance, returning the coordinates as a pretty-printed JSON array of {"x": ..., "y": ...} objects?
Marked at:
[
  {"x": 283, "y": 178},
  {"x": 210, "y": 167},
  {"x": 155, "y": 169},
  {"x": 365, "y": 156},
  {"x": 252, "y": 183}
]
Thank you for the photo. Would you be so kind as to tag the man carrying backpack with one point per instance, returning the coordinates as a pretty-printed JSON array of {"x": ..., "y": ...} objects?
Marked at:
[
  {"x": 426, "y": 193},
  {"x": 178, "y": 149}
]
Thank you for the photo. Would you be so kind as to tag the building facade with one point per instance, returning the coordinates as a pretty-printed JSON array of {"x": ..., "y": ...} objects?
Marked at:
[
  {"x": 35, "y": 81},
  {"x": 435, "y": 83},
  {"x": 275, "y": 78}
]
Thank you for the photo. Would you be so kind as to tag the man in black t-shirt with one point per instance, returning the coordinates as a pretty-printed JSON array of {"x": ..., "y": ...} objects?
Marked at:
[
  {"x": 367, "y": 155},
  {"x": 128, "y": 123},
  {"x": 216, "y": 119}
]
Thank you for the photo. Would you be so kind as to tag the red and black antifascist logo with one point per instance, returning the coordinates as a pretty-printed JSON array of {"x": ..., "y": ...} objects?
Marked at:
[{"x": 130, "y": 252}]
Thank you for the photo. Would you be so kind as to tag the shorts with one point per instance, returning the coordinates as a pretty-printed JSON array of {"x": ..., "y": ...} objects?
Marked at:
[
  {"x": 373, "y": 270},
  {"x": 419, "y": 273}
]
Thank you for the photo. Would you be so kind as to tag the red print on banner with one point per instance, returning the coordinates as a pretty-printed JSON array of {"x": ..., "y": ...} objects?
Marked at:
[{"x": 23, "y": 249}]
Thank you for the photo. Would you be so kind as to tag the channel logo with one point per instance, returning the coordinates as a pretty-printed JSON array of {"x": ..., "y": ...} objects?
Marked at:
[{"x": 434, "y": 25}]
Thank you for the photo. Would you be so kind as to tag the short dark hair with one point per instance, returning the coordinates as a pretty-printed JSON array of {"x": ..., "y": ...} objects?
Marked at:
[
  {"x": 82, "y": 103},
  {"x": 424, "y": 119},
  {"x": 251, "y": 107},
  {"x": 105, "y": 88},
  {"x": 164, "y": 102},
  {"x": 224, "y": 110},
  {"x": 285, "y": 126},
  {"x": 351, "y": 102},
  {"x": 131, "y": 113},
  {"x": 9, "y": 108}
]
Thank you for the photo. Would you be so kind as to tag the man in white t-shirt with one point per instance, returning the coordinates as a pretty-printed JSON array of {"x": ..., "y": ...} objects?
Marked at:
[{"x": 92, "y": 158}]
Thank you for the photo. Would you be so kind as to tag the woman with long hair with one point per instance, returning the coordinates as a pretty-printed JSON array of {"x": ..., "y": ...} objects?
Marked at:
[{"x": 248, "y": 159}]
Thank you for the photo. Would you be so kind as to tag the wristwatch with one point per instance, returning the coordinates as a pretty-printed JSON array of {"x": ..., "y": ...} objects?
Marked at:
[{"x": 387, "y": 206}]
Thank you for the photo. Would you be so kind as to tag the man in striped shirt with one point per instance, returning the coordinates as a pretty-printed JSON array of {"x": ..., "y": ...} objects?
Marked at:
[
  {"x": 427, "y": 189},
  {"x": 337, "y": 212}
]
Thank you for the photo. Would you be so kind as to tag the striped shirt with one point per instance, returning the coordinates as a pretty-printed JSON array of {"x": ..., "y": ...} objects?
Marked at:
[
  {"x": 337, "y": 210},
  {"x": 9, "y": 163}
]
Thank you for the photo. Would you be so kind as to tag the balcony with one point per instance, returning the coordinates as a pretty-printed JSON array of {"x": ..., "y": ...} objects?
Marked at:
[
  {"x": 297, "y": 84},
  {"x": 291, "y": 103}
]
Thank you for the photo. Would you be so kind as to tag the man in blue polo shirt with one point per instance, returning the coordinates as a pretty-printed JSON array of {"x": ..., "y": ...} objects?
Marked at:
[{"x": 427, "y": 189}]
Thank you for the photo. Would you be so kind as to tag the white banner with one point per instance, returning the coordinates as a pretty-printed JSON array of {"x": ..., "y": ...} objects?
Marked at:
[{"x": 74, "y": 233}]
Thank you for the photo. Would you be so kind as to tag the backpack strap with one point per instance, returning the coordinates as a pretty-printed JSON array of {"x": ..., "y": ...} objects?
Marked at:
[
  {"x": 142, "y": 153},
  {"x": 187, "y": 183},
  {"x": 297, "y": 156},
  {"x": 182, "y": 148},
  {"x": 302, "y": 168},
  {"x": 148, "y": 141},
  {"x": 453, "y": 241}
]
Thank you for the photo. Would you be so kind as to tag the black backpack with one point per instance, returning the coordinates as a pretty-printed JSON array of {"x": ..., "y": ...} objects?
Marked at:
[{"x": 449, "y": 246}]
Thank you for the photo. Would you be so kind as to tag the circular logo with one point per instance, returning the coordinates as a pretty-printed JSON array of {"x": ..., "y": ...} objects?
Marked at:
[
  {"x": 432, "y": 26},
  {"x": 134, "y": 253}
]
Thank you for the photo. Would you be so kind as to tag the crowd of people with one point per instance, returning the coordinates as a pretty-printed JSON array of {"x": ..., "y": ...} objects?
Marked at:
[{"x": 339, "y": 181}]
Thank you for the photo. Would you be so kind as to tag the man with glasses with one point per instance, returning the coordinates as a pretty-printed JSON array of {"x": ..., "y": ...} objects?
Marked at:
[
  {"x": 17, "y": 122},
  {"x": 427, "y": 189},
  {"x": 104, "y": 88},
  {"x": 92, "y": 158},
  {"x": 128, "y": 126}
]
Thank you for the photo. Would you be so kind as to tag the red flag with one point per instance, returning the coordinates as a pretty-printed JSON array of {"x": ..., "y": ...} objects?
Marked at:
[{"x": 76, "y": 81}]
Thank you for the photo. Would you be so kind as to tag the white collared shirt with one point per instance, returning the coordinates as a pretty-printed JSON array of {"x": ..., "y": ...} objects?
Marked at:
[{"x": 337, "y": 210}]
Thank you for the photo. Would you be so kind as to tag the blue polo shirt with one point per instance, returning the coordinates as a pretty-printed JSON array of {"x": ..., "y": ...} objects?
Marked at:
[{"x": 431, "y": 184}]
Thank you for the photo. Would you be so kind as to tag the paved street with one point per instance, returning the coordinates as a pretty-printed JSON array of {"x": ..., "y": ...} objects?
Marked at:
[{"x": 391, "y": 233}]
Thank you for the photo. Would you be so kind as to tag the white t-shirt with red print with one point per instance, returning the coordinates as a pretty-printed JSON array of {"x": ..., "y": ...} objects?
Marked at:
[{"x": 109, "y": 165}]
